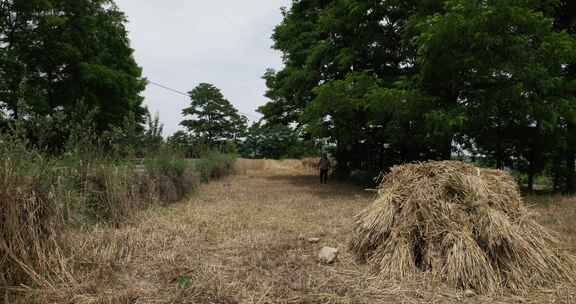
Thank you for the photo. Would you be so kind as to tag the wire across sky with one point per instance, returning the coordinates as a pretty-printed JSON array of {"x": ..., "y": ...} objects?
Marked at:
[{"x": 167, "y": 88}]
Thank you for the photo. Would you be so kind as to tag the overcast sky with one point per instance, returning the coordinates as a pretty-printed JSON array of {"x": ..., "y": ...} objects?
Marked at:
[{"x": 181, "y": 43}]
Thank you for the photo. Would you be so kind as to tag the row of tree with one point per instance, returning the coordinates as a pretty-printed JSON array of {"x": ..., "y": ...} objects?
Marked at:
[
  {"x": 403, "y": 80},
  {"x": 385, "y": 81},
  {"x": 68, "y": 75},
  {"x": 213, "y": 123}
]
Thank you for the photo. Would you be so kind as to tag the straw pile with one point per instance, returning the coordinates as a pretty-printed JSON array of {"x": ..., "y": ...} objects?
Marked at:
[{"x": 460, "y": 224}]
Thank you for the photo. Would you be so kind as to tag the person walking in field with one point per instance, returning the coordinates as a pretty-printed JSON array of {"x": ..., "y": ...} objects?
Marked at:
[{"x": 324, "y": 166}]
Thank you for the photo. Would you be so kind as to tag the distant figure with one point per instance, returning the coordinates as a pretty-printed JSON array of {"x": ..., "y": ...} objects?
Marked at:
[{"x": 324, "y": 168}]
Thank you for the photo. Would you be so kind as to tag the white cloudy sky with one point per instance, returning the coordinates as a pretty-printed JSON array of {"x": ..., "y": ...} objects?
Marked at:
[{"x": 181, "y": 43}]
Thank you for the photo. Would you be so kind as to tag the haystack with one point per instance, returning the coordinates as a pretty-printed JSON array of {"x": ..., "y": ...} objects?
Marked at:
[{"x": 460, "y": 224}]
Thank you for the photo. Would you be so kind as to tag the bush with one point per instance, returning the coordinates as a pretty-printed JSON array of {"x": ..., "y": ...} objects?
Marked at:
[
  {"x": 111, "y": 193},
  {"x": 174, "y": 177},
  {"x": 215, "y": 166}
]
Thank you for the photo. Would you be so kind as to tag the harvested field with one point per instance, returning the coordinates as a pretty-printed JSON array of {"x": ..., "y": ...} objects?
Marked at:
[
  {"x": 244, "y": 240},
  {"x": 272, "y": 167}
]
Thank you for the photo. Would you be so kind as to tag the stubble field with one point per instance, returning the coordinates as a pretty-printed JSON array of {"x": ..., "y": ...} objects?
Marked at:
[{"x": 244, "y": 239}]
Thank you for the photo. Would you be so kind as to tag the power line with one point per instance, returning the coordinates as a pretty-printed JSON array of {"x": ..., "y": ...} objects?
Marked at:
[
  {"x": 188, "y": 95},
  {"x": 168, "y": 88}
]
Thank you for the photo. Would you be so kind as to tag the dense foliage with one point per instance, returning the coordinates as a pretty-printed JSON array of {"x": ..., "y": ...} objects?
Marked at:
[
  {"x": 67, "y": 59},
  {"x": 398, "y": 81},
  {"x": 276, "y": 141}
]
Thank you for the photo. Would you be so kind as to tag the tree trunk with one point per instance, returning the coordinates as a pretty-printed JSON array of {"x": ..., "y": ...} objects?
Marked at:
[
  {"x": 571, "y": 160},
  {"x": 499, "y": 161},
  {"x": 342, "y": 170},
  {"x": 447, "y": 148},
  {"x": 532, "y": 159},
  {"x": 381, "y": 157},
  {"x": 531, "y": 180},
  {"x": 556, "y": 168},
  {"x": 570, "y": 174}
]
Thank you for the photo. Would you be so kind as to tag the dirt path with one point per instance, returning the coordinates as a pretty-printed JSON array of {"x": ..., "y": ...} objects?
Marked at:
[{"x": 242, "y": 240}]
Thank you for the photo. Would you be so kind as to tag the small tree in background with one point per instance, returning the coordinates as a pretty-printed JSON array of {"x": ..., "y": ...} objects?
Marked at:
[
  {"x": 212, "y": 120},
  {"x": 134, "y": 140},
  {"x": 181, "y": 141},
  {"x": 153, "y": 139}
]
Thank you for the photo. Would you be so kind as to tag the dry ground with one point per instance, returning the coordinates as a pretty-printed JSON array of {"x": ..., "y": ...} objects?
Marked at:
[{"x": 243, "y": 240}]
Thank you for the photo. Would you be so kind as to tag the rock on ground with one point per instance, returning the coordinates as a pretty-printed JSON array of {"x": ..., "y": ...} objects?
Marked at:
[
  {"x": 314, "y": 240},
  {"x": 328, "y": 255},
  {"x": 469, "y": 293}
]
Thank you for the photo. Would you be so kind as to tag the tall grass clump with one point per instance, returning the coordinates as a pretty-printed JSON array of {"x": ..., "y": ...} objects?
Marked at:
[
  {"x": 215, "y": 165},
  {"x": 109, "y": 192},
  {"x": 29, "y": 214},
  {"x": 173, "y": 176}
]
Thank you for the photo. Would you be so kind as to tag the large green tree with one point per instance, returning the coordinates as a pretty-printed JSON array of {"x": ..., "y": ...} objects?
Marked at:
[
  {"x": 330, "y": 41},
  {"x": 57, "y": 54},
  {"x": 211, "y": 119},
  {"x": 501, "y": 65},
  {"x": 565, "y": 143},
  {"x": 408, "y": 79}
]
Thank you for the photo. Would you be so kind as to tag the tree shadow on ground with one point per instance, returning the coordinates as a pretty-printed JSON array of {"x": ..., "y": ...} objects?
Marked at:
[{"x": 334, "y": 189}]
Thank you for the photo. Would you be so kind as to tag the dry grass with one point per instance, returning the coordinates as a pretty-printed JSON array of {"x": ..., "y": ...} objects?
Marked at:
[
  {"x": 462, "y": 225},
  {"x": 39, "y": 202},
  {"x": 272, "y": 167},
  {"x": 28, "y": 225},
  {"x": 242, "y": 240}
]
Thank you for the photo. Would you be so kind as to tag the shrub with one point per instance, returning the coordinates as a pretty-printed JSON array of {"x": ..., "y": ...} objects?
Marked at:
[
  {"x": 109, "y": 196},
  {"x": 110, "y": 193},
  {"x": 173, "y": 176},
  {"x": 215, "y": 166}
]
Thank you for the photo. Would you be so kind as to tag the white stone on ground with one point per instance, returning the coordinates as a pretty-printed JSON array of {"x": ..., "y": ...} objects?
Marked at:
[
  {"x": 328, "y": 255},
  {"x": 314, "y": 240}
]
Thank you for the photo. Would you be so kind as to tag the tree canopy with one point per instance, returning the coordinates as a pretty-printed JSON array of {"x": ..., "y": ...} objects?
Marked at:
[
  {"x": 276, "y": 141},
  {"x": 60, "y": 55},
  {"x": 211, "y": 119},
  {"x": 397, "y": 81}
]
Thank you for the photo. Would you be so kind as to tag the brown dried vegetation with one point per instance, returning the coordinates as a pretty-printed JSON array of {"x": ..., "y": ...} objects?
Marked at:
[
  {"x": 462, "y": 225},
  {"x": 243, "y": 240}
]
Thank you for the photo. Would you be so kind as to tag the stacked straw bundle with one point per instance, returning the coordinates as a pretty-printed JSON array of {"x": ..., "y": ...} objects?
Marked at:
[{"x": 460, "y": 224}]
